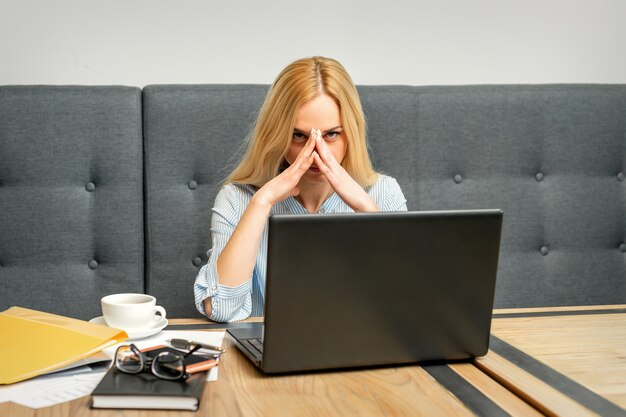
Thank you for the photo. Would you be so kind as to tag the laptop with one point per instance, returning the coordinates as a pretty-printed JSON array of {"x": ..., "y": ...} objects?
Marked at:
[{"x": 370, "y": 289}]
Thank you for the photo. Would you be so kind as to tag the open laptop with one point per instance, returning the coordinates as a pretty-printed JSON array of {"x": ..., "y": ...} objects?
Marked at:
[{"x": 352, "y": 290}]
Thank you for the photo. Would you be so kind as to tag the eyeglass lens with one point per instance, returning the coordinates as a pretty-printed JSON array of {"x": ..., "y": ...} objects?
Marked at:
[
  {"x": 127, "y": 360},
  {"x": 168, "y": 365}
]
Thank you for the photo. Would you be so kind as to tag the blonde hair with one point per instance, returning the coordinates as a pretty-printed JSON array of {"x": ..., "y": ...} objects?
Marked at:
[{"x": 298, "y": 83}]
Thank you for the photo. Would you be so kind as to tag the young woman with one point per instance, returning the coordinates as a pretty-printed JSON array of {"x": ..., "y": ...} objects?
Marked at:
[{"x": 307, "y": 154}]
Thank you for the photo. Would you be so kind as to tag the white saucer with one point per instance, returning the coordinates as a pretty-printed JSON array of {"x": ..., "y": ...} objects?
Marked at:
[{"x": 135, "y": 334}]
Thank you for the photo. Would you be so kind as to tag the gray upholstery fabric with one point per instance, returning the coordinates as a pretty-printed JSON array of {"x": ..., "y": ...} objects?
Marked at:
[
  {"x": 549, "y": 156},
  {"x": 553, "y": 157},
  {"x": 71, "y": 192},
  {"x": 390, "y": 113},
  {"x": 193, "y": 135}
]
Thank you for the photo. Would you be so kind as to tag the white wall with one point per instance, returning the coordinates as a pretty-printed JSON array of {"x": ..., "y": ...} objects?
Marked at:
[{"x": 248, "y": 41}]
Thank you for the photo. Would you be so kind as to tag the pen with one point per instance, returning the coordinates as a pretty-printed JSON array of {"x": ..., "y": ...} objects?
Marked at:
[{"x": 189, "y": 344}]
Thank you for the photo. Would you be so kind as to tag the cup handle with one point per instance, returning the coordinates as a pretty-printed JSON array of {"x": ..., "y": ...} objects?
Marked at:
[{"x": 161, "y": 310}]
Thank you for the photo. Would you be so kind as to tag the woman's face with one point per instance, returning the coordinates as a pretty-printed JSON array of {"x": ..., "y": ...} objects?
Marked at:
[{"x": 321, "y": 113}]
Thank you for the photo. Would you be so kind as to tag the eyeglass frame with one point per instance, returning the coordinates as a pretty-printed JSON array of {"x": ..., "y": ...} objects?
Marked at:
[{"x": 147, "y": 362}]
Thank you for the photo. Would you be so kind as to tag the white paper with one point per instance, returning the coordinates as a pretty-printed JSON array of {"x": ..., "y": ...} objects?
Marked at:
[
  {"x": 95, "y": 358},
  {"x": 49, "y": 390},
  {"x": 57, "y": 388}
]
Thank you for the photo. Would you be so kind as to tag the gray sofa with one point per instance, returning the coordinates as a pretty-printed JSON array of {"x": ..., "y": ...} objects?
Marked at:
[{"x": 110, "y": 189}]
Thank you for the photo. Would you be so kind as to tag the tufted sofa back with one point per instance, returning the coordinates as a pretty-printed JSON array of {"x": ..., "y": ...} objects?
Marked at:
[
  {"x": 553, "y": 157},
  {"x": 71, "y": 196}
]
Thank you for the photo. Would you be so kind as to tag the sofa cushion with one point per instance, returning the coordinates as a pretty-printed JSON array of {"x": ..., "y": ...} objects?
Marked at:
[
  {"x": 193, "y": 137},
  {"x": 71, "y": 229},
  {"x": 549, "y": 156}
]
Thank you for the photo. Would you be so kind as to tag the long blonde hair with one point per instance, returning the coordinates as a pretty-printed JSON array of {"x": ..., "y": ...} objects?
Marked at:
[{"x": 298, "y": 83}]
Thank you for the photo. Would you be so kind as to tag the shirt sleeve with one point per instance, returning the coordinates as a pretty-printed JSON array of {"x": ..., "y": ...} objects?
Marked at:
[
  {"x": 394, "y": 199},
  {"x": 227, "y": 303}
]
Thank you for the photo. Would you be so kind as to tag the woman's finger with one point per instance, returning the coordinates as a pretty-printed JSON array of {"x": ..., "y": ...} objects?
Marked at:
[
  {"x": 303, "y": 167},
  {"x": 286, "y": 183},
  {"x": 324, "y": 151},
  {"x": 309, "y": 161},
  {"x": 321, "y": 165},
  {"x": 305, "y": 153},
  {"x": 325, "y": 170}
]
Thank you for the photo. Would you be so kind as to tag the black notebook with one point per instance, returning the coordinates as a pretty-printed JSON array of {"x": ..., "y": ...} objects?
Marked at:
[{"x": 144, "y": 390}]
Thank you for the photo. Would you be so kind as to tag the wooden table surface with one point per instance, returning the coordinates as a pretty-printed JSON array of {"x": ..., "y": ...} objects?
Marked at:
[
  {"x": 564, "y": 361},
  {"x": 542, "y": 361}
]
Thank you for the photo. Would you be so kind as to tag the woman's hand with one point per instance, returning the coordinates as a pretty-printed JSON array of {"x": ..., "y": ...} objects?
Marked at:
[
  {"x": 343, "y": 184},
  {"x": 285, "y": 184},
  {"x": 235, "y": 265}
]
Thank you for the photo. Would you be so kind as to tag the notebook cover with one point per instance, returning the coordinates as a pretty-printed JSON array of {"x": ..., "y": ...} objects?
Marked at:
[{"x": 146, "y": 391}]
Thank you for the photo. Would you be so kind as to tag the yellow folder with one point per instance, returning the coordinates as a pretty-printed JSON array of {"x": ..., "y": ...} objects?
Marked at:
[{"x": 34, "y": 343}]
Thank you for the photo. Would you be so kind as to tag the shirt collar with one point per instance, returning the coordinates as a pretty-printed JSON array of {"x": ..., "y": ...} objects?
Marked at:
[
  {"x": 294, "y": 206},
  {"x": 330, "y": 205},
  {"x": 327, "y": 206}
]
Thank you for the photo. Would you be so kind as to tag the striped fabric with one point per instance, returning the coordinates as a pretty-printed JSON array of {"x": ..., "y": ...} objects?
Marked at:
[{"x": 238, "y": 303}]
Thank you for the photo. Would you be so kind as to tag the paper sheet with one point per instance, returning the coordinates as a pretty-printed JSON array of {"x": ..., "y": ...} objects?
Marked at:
[{"x": 57, "y": 388}]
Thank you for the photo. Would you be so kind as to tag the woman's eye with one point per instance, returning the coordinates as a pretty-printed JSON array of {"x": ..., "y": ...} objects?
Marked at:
[
  {"x": 299, "y": 137},
  {"x": 332, "y": 135}
]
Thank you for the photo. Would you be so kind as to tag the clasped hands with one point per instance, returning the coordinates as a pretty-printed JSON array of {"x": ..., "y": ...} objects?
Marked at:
[{"x": 316, "y": 150}]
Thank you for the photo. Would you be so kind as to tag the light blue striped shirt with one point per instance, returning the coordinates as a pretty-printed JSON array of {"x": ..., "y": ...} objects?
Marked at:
[{"x": 247, "y": 299}]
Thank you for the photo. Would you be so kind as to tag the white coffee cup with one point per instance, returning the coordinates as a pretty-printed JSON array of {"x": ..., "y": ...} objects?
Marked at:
[{"x": 131, "y": 311}]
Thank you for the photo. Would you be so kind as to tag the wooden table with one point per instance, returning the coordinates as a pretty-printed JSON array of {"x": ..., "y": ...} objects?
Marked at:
[
  {"x": 497, "y": 384},
  {"x": 564, "y": 361}
]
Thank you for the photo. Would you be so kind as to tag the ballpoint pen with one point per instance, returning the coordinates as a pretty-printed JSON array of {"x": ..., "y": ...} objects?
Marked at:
[{"x": 190, "y": 344}]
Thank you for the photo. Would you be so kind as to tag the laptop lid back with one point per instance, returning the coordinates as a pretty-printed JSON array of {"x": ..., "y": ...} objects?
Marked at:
[{"x": 346, "y": 290}]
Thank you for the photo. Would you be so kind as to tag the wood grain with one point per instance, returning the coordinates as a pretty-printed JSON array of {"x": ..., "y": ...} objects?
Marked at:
[
  {"x": 589, "y": 349},
  {"x": 556, "y": 309},
  {"x": 532, "y": 390},
  {"x": 399, "y": 391},
  {"x": 500, "y": 395},
  {"x": 177, "y": 322}
]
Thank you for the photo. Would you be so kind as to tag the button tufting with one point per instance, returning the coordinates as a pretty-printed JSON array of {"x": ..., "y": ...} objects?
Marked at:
[
  {"x": 544, "y": 250},
  {"x": 622, "y": 247},
  {"x": 620, "y": 176},
  {"x": 90, "y": 186},
  {"x": 458, "y": 178},
  {"x": 192, "y": 185},
  {"x": 93, "y": 264},
  {"x": 197, "y": 261},
  {"x": 539, "y": 176}
]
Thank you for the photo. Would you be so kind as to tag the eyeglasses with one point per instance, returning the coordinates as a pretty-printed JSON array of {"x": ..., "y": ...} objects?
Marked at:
[{"x": 168, "y": 365}]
